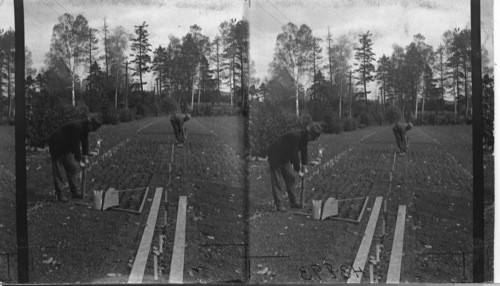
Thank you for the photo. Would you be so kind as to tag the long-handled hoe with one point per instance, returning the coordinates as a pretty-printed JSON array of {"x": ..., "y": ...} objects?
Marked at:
[
  {"x": 84, "y": 169},
  {"x": 302, "y": 192}
]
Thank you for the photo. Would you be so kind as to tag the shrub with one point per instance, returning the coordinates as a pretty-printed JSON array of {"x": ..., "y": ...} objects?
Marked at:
[
  {"x": 140, "y": 110},
  {"x": 365, "y": 119},
  {"x": 208, "y": 110},
  {"x": 47, "y": 114},
  {"x": 332, "y": 124},
  {"x": 268, "y": 121},
  {"x": 362, "y": 126},
  {"x": 443, "y": 120},
  {"x": 126, "y": 115},
  {"x": 227, "y": 110},
  {"x": 432, "y": 119},
  {"x": 170, "y": 105},
  {"x": 110, "y": 115},
  {"x": 378, "y": 117},
  {"x": 11, "y": 120},
  {"x": 197, "y": 110},
  {"x": 392, "y": 114},
  {"x": 349, "y": 124},
  {"x": 155, "y": 108}
]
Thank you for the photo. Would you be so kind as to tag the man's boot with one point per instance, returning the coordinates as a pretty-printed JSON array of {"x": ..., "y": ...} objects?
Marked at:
[
  {"x": 76, "y": 196},
  {"x": 280, "y": 207},
  {"x": 295, "y": 205},
  {"x": 61, "y": 197}
]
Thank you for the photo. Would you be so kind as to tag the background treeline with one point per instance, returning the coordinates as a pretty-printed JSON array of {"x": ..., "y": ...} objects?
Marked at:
[
  {"x": 106, "y": 69},
  {"x": 331, "y": 80}
]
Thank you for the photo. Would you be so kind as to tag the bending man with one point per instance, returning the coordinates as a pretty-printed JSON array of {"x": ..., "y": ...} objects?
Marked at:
[
  {"x": 69, "y": 145},
  {"x": 177, "y": 120},
  {"x": 400, "y": 130},
  {"x": 283, "y": 154}
]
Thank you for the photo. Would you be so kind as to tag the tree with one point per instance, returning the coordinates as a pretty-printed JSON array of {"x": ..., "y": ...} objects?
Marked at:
[
  {"x": 69, "y": 44},
  {"x": 98, "y": 97},
  {"x": 217, "y": 58},
  {"x": 293, "y": 50},
  {"x": 383, "y": 76},
  {"x": 159, "y": 65},
  {"x": 240, "y": 36},
  {"x": 341, "y": 52},
  {"x": 118, "y": 43},
  {"x": 173, "y": 64},
  {"x": 92, "y": 38},
  {"x": 141, "y": 47},
  {"x": 228, "y": 56},
  {"x": 7, "y": 68},
  {"x": 441, "y": 67},
  {"x": 463, "y": 46},
  {"x": 364, "y": 56},
  {"x": 316, "y": 57},
  {"x": 202, "y": 47},
  {"x": 105, "y": 31}
]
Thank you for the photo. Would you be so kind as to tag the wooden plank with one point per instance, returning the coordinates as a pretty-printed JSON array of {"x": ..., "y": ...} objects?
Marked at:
[
  {"x": 177, "y": 264},
  {"x": 364, "y": 248},
  {"x": 352, "y": 199},
  {"x": 141, "y": 258},
  {"x": 172, "y": 154},
  {"x": 394, "y": 272},
  {"x": 144, "y": 199},
  {"x": 362, "y": 210}
]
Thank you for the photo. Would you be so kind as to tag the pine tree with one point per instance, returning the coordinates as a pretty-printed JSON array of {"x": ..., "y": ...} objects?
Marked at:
[
  {"x": 142, "y": 59},
  {"x": 364, "y": 55}
]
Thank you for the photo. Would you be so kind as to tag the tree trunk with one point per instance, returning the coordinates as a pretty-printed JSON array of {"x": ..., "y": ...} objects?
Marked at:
[
  {"x": 366, "y": 95},
  {"x": 340, "y": 99},
  {"x": 243, "y": 100},
  {"x": 126, "y": 84},
  {"x": 350, "y": 96},
  {"x": 192, "y": 92},
  {"x": 458, "y": 91},
  {"x": 73, "y": 72},
  {"x": 234, "y": 79},
  {"x": 465, "y": 90},
  {"x": 9, "y": 84},
  {"x": 106, "y": 55},
  {"x": 199, "y": 86},
  {"x": 297, "y": 97},
  {"x": 116, "y": 90}
]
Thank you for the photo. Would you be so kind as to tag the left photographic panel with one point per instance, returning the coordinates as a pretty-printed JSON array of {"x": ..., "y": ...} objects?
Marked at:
[
  {"x": 135, "y": 154},
  {"x": 8, "y": 253}
]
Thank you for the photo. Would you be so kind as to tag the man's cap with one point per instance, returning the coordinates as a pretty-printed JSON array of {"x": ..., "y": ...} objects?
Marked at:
[
  {"x": 96, "y": 121},
  {"x": 409, "y": 126},
  {"x": 315, "y": 129},
  {"x": 187, "y": 116}
]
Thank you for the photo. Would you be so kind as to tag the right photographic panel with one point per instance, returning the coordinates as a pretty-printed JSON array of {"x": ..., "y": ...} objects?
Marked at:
[{"x": 361, "y": 139}]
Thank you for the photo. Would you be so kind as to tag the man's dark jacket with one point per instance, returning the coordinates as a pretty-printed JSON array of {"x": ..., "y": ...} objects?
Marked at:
[
  {"x": 68, "y": 139},
  {"x": 286, "y": 149}
]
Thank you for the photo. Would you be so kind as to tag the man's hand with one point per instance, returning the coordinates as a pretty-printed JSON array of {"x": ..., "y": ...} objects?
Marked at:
[
  {"x": 82, "y": 164},
  {"x": 304, "y": 169},
  {"x": 301, "y": 174}
]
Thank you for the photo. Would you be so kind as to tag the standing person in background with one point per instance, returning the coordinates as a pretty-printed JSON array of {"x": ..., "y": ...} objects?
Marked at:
[
  {"x": 400, "y": 130},
  {"x": 283, "y": 154},
  {"x": 69, "y": 147},
  {"x": 177, "y": 120}
]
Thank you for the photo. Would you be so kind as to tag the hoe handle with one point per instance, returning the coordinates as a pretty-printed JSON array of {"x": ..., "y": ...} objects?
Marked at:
[
  {"x": 302, "y": 194},
  {"x": 83, "y": 179}
]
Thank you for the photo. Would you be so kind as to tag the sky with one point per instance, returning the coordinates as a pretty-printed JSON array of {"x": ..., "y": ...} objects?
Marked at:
[
  {"x": 172, "y": 17},
  {"x": 390, "y": 22}
]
